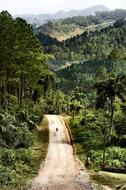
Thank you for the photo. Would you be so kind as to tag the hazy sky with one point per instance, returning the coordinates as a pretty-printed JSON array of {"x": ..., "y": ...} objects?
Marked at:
[{"x": 51, "y": 6}]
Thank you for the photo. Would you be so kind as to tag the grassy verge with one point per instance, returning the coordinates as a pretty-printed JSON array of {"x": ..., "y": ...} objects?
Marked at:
[
  {"x": 38, "y": 153},
  {"x": 78, "y": 146},
  {"x": 112, "y": 180},
  {"x": 41, "y": 145}
]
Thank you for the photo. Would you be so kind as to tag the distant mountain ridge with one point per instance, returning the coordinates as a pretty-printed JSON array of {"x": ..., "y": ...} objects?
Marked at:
[{"x": 43, "y": 18}]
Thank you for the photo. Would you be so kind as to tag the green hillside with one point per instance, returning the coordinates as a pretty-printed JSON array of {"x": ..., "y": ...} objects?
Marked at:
[
  {"x": 88, "y": 87},
  {"x": 89, "y": 46},
  {"x": 63, "y": 29},
  {"x": 60, "y": 31}
]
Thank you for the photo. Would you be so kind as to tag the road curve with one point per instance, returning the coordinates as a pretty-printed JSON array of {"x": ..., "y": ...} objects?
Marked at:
[{"x": 60, "y": 171}]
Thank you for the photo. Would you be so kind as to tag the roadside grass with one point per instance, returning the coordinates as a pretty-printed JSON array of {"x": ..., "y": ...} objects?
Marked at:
[
  {"x": 38, "y": 154},
  {"x": 40, "y": 147},
  {"x": 112, "y": 180},
  {"x": 79, "y": 150}
]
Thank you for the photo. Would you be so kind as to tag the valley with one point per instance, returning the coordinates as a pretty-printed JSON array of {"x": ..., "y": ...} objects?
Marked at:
[{"x": 63, "y": 100}]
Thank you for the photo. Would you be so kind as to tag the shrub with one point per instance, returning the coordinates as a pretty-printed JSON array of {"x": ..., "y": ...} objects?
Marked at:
[
  {"x": 23, "y": 138},
  {"x": 13, "y": 163},
  {"x": 7, "y": 157},
  {"x": 5, "y": 175},
  {"x": 24, "y": 155},
  {"x": 115, "y": 157}
]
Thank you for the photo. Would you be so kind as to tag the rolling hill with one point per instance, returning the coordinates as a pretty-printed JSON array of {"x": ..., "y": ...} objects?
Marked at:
[
  {"x": 67, "y": 28},
  {"x": 40, "y": 19}
]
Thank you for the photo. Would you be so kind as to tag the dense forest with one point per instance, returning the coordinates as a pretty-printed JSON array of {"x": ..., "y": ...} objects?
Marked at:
[
  {"x": 24, "y": 81},
  {"x": 91, "y": 72},
  {"x": 86, "y": 46},
  {"x": 89, "y": 85}
]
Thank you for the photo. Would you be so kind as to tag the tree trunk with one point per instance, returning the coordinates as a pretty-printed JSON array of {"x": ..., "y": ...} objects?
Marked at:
[
  {"x": 111, "y": 118},
  {"x": 67, "y": 105},
  {"x": 21, "y": 91},
  {"x": 4, "y": 94},
  {"x": 104, "y": 157},
  {"x": 104, "y": 150},
  {"x": 85, "y": 116}
]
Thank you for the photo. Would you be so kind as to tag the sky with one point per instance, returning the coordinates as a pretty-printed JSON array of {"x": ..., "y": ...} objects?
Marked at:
[{"x": 52, "y": 6}]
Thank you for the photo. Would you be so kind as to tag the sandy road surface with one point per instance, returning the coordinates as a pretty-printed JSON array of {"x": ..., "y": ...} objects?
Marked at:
[{"x": 61, "y": 171}]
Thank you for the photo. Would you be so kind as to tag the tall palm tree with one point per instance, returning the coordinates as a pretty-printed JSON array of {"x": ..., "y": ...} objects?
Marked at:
[{"x": 106, "y": 94}]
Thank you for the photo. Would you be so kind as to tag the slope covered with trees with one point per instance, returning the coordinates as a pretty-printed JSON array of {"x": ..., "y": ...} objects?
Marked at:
[
  {"x": 95, "y": 82},
  {"x": 24, "y": 82},
  {"x": 67, "y": 28},
  {"x": 98, "y": 18},
  {"x": 59, "y": 30},
  {"x": 89, "y": 46},
  {"x": 91, "y": 90}
]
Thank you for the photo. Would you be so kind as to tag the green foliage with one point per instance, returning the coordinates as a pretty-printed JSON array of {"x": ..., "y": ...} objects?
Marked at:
[
  {"x": 89, "y": 133},
  {"x": 19, "y": 166},
  {"x": 96, "y": 58},
  {"x": 109, "y": 179},
  {"x": 24, "y": 81},
  {"x": 28, "y": 90},
  {"x": 24, "y": 155},
  {"x": 74, "y": 26},
  {"x": 16, "y": 129},
  {"x": 22, "y": 62},
  {"x": 83, "y": 56},
  {"x": 56, "y": 30},
  {"x": 17, "y": 162},
  {"x": 100, "y": 17},
  {"x": 115, "y": 157},
  {"x": 5, "y": 175},
  {"x": 87, "y": 130}
]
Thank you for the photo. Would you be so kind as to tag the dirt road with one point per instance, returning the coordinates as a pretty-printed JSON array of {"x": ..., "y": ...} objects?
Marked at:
[{"x": 61, "y": 171}]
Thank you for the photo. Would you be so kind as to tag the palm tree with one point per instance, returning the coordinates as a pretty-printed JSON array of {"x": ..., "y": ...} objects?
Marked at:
[
  {"x": 106, "y": 95},
  {"x": 107, "y": 91}
]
